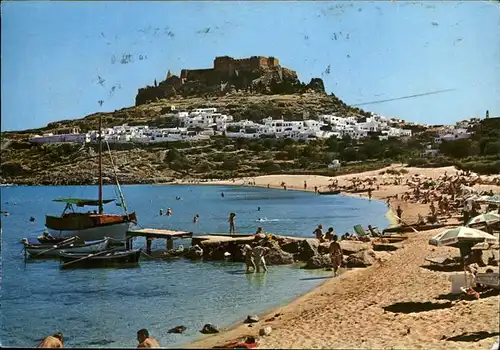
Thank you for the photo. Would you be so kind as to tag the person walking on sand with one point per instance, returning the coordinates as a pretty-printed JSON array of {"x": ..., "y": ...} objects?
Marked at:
[
  {"x": 232, "y": 228},
  {"x": 370, "y": 194},
  {"x": 399, "y": 213},
  {"x": 52, "y": 341},
  {"x": 305, "y": 185},
  {"x": 145, "y": 341},
  {"x": 335, "y": 255}
]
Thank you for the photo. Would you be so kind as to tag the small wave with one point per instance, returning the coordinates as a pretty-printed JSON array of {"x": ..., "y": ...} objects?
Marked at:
[{"x": 266, "y": 220}]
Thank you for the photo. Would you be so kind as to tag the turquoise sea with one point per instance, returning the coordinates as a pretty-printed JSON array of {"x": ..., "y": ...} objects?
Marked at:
[{"x": 106, "y": 307}]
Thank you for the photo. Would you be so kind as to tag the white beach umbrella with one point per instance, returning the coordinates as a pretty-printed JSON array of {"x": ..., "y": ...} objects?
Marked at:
[
  {"x": 461, "y": 234},
  {"x": 486, "y": 218}
]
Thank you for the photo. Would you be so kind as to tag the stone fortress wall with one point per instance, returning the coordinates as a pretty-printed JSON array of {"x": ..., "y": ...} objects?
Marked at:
[{"x": 228, "y": 66}]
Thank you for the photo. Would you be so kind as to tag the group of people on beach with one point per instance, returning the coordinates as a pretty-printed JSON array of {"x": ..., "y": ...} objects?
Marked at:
[{"x": 143, "y": 338}]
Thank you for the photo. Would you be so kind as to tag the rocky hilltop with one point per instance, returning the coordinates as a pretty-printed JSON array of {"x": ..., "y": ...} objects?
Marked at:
[
  {"x": 254, "y": 75},
  {"x": 253, "y": 89}
]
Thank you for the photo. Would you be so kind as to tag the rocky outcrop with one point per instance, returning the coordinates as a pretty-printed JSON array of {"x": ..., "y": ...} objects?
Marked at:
[
  {"x": 177, "y": 330},
  {"x": 276, "y": 256},
  {"x": 209, "y": 329},
  {"x": 309, "y": 248},
  {"x": 256, "y": 75},
  {"x": 319, "y": 262},
  {"x": 363, "y": 258},
  {"x": 194, "y": 253},
  {"x": 251, "y": 319},
  {"x": 351, "y": 247}
]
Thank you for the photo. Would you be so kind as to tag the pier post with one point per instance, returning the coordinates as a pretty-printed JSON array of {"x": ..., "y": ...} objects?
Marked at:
[
  {"x": 148, "y": 244},
  {"x": 170, "y": 243}
]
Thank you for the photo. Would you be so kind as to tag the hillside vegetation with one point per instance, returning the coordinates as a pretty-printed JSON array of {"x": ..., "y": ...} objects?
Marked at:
[{"x": 223, "y": 158}]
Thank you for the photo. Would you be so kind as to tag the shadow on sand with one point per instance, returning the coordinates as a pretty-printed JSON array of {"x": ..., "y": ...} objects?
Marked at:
[
  {"x": 473, "y": 336},
  {"x": 410, "y": 307},
  {"x": 444, "y": 268}
]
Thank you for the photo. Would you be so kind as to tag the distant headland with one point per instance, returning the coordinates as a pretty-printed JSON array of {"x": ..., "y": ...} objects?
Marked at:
[{"x": 256, "y": 74}]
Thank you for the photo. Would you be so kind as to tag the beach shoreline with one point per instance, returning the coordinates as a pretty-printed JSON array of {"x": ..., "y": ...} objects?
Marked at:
[{"x": 293, "y": 312}]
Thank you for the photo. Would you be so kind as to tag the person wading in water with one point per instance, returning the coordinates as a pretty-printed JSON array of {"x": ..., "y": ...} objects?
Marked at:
[
  {"x": 232, "y": 229},
  {"x": 335, "y": 255}
]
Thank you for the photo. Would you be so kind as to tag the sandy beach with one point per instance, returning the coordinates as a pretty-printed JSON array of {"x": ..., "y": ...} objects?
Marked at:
[{"x": 394, "y": 303}]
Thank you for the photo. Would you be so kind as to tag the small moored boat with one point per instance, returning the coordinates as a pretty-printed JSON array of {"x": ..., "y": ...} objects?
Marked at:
[
  {"x": 329, "y": 192},
  {"x": 53, "y": 250},
  {"x": 110, "y": 258}
]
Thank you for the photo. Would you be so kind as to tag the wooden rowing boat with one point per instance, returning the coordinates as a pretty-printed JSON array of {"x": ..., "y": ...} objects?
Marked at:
[
  {"x": 110, "y": 258},
  {"x": 329, "y": 192},
  {"x": 52, "y": 251}
]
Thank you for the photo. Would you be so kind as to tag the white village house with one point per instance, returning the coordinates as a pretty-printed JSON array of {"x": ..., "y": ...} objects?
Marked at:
[{"x": 202, "y": 123}]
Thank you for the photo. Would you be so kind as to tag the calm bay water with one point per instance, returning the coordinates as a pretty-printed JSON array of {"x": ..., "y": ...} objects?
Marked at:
[{"x": 106, "y": 307}]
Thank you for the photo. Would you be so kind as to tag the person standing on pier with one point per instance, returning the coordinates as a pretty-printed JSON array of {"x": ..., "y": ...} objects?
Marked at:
[
  {"x": 145, "y": 341},
  {"x": 232, "y": 228}
]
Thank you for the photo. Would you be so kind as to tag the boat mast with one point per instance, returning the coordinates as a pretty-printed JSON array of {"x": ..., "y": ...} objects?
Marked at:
[{"x": 100, "y": 165}]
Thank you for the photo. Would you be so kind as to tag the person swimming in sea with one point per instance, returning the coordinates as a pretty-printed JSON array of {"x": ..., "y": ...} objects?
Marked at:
[
  {"x": 169, "y": 212},
  {"x": 196, "y": 218},
  {"x": 222, "y": 194}
]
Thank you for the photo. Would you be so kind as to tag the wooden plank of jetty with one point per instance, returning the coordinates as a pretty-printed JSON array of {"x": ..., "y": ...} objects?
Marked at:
[
  {"x": 159, "y": 233},
  {"x": 152, "y": 233}
]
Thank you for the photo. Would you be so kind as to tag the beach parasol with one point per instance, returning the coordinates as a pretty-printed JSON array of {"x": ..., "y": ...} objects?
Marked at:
[
  {"x": 462, "y": 234},
  {"x": 487, "y": 218}
]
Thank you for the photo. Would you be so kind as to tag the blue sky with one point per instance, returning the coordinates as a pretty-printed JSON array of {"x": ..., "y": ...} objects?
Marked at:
[{"x": 54, "y": 52}]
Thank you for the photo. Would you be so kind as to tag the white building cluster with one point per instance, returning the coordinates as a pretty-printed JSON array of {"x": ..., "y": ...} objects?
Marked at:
[{"x": 202, "y": 123}]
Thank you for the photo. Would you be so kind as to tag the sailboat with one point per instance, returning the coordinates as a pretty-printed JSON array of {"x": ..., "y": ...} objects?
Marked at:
[{"x": 91, "y": 225}]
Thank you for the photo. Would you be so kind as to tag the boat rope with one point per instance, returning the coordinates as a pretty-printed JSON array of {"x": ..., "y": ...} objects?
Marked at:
[{"x": 122, "y": 198}]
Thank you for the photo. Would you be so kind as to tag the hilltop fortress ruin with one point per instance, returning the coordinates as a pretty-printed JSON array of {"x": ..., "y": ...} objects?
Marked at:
[{"x": 256, "y": 74}]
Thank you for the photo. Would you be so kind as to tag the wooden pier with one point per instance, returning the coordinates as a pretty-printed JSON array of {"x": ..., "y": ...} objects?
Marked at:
[{"x": 154, "y": 233}]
